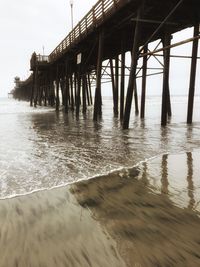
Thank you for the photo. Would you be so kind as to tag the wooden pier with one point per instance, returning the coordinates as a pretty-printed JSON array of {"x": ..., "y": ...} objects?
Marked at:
[{"x": 109, "y": 30}]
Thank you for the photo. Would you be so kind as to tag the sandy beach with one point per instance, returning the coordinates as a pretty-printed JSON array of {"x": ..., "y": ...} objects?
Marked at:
[{"x": 122, "y": 219}]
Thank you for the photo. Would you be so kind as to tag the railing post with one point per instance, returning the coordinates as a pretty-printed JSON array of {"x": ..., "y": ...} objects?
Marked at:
[
  {"x": 79, "y": 28},
  {"x": 93, "y": 16},
  {"x": 103, "y": 8}
]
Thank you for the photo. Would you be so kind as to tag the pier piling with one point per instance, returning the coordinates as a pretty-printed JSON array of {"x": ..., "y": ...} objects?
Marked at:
[{"x": 193, "y": 75}]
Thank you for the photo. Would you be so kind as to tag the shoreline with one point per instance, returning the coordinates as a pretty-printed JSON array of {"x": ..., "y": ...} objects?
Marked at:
[{"x": 126, "y": 218}]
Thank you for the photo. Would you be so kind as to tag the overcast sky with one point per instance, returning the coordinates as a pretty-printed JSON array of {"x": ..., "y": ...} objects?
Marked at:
[{"x": 26, "y": 26}]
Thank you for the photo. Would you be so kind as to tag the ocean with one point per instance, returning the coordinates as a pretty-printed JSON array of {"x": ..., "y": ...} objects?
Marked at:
[{"x": 78, "y": 193}]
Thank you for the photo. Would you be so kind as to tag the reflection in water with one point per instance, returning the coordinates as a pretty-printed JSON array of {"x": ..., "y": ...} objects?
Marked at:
[
  {"x": 190, "y": 180},
  {"x": 164, "y": 179},
  {"x": 148, "y": 228}
]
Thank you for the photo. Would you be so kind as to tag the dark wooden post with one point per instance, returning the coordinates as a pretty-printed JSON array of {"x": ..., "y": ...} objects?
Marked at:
[
  {"x": 193, "y": 75},
  {"x": 66, "y": 86},
  {"x": 78, "y": 97},
  {"x": 132, "y": 77},
  {"x": 66, "y": 93},
  {"x": 36, "y": 87},
  {"x": 57, "y": 89},
  {"x": 75, "y": 86},
  {"x": 62, "y": 87},
  {"x": 90, "y": 89},
  {"x": 72, "y": 93},
  {"x": 122, "y": 82},
  {"x": 116, "y": 94},
  {"x": 32, "y": 88},
  {"x": 84, "y": 93},
  {"x": 136, "y": 99},
  {"x": 52, "y": 92},
  {"x": 144, "y": 79},
  {"x": 166, "y": 105},
  {"x": 45, "y": 89},
  {"x": 98, "y": 100},
  {"x": 87, "y": 90},
  {"x": 113, "y": 82},
  {"x": 41, "y": 88}
]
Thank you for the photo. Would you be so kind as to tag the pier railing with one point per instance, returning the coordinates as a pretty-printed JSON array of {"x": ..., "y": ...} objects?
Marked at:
[
  {"x": 42, "y": 58},
  {"x": 99, "y": 13}
]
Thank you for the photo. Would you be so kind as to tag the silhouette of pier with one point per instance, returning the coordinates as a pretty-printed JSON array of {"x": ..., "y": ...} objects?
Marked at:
[{"x": 106, "y": 33}]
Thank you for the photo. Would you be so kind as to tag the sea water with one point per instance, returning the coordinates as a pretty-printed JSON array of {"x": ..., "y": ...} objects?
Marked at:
[{"x": 41, "y": 148}]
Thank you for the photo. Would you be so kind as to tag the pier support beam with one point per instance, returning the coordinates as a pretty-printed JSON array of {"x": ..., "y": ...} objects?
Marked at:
[
  {"x": 166, "y": 103},
  {"x": 136, "y": 99},
  {"x": 122, "y": 85},
  {"x": 84, "y": 85},
  {"x": 116, "y": 91},
  {"x": 89, "y": 88},
  {"x": 144, "y": 79},
  {"x": 57, "y": 89},
  {"x": 98, "y": 100},
  {"x": 132, "y": 77},
  {"x": 33, "y": 88},
  {"x": 36, "y": 87},
  {"x": 66, "y": 94},
  {"x": 78, "y": 93},
  {"x": 193, "y": 75},
  {"x": 113, "y": 83},
  {"x": 72, "y": 92},
  {"x": 45, "y": 89}
]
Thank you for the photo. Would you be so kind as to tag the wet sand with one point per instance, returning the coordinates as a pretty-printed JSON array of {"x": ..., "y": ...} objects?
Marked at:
[{"x": 147, "y": 216}]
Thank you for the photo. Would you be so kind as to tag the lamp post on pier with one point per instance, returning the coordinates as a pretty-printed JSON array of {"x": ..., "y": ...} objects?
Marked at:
[{"x": 71, "y": 5}]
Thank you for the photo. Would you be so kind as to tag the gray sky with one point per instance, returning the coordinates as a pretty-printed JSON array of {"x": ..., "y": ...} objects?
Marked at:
[{"x": 26, "y": 26}]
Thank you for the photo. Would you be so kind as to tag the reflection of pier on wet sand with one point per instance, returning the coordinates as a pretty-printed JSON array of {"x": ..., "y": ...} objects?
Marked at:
[{"x": 145, "y": 216}]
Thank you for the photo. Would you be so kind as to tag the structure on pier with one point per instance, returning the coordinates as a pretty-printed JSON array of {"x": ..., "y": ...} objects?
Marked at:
[{"x": 109, "y": 30}]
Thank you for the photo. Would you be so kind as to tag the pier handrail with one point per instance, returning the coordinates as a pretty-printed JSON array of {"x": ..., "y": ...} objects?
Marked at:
[
  {"x": 92, "y": 19},
  {"x": 42, "y": 58}
]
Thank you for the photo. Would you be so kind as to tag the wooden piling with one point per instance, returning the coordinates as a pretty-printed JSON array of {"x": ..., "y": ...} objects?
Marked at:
[
  {"x": 57, "y": 90},
  {"x": 113, "y": 82},
  {"x": 122, "y": 85},
  {"x": 166, "y": 105},
  {"x": 36, "y": 87},
  {"x": 144, "y": 79},
  {"x": 116, "y": 91},
  {"x": 78, "y": 96},
  {"x": 75, "y": 87},
  {"x": 66, "y": 94},
  {"x": 87, "y": 90},
  {"x": 132, "y": 78},
  {"x": 98, "y": 100},
  {"x": 45, "y": 89},
  {"x": 40, "y": 91},
  {"x": 136, "y": 99},
  {"x": 90, "y": 89},
  {"x": 62, "y": 88},
  {"x": 71, "y": 92},
  {"x": 193, "y": 75},
  {"x": 32, "y": 89},
  {"x": 84, "y": 92}
]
